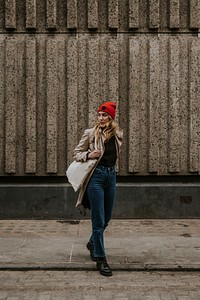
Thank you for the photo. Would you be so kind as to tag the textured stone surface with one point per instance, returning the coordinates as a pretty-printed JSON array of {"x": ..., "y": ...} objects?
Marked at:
[
  {"x": 48, "y": 285},
  {"x": 31, "y": 109},
  {"x": 11, "y": 104},
  {"x": 31, "y": 14},
  {"x": 130, "y": 245},
  {"x": 154, "y": 80},
  {"x": 10, "y": 14},
  {"x": 102, "y": 15},
  {"x": 72, "y": 55}
]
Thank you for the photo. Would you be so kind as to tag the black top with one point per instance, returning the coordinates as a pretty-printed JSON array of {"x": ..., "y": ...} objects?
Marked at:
[{"x": 110, "y": 155}]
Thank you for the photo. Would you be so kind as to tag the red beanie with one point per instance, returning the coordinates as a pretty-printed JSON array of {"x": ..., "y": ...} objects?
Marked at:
[{"x": 109, "y": 108}]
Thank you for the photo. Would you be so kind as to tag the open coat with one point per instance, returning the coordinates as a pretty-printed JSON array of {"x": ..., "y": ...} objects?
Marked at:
[{"x": 86, "y": 145}]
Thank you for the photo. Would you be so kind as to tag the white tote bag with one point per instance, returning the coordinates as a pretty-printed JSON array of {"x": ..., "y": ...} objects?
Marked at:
[{"x": 78, "y": 171}]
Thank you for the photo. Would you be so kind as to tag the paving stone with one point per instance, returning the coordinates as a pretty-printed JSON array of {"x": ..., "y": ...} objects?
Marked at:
[
  {"x": 89, "y": 285},
  {"x": 130, "y": 244}
]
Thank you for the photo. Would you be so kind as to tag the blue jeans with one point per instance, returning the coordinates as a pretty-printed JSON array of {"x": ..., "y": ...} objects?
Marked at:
[{"x": 101, "y": 194}]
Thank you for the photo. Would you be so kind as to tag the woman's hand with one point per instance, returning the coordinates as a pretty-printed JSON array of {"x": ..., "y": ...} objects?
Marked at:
[{"x": 94, "y": 154}]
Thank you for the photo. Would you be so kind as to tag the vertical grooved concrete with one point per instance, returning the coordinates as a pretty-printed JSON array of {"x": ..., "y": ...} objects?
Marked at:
[
  {"x": 51, "y": 14},
  {"x": 93, "y": 80},
  {"x": 194, "y": 13},
  {"x": 31, "y": 14},
  {"x": 194, "y": 107},
  {"x": 2, "y": 104},
  {"x": 60, "y": 59},
  {"x": 93, "y": 14},
  {"x": 82, "y": 87},
  {"x": 11, "y": 105},
  {"x": 174, "y": 107},
  {"x": 133, "y": 13},
  {"x": 104, "y": 69},
  {"x": 154, "y": 13},
  {"x": 154, "y": 107},
  {"x": 31, "y": 102},
  {"x": 72, "y": 18},
  {"x": 113, "y": 13},
  {"x": 113, "y": 71},
  {"x": 174, "y": 14},
  {"x": 100, "y": 15},
  {"x": 134, "y": 106},
  {"x": 52, "y": 104},
  {"x": 10, "y": 14},
  {"x": 72, "y": 96}
]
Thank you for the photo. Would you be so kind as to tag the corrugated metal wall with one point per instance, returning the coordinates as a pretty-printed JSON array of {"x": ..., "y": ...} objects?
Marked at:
[{"x": 60, "y": 59}]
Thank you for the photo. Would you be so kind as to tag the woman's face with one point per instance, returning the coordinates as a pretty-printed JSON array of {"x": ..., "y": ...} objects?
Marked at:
[{"x": 103, "y": 118}]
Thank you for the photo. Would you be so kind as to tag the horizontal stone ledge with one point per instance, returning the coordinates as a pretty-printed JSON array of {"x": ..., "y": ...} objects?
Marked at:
[
  {"x": 119, "y": 185},
  {"x": 121, "y": 180}
]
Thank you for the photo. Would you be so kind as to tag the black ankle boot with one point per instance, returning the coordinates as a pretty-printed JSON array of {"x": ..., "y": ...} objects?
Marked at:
[
  {"x": 103, "y": 267},
  {"x": 90, "y": 247}
]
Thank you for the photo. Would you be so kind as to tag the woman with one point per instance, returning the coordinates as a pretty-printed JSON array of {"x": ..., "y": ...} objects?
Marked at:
[{"x": 103, "y": 143}]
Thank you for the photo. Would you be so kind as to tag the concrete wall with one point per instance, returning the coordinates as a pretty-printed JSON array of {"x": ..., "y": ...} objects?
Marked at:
[{"x": 59, "y": 59}]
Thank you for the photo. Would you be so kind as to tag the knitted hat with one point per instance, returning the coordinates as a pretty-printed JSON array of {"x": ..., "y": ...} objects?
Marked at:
[{"x": 109, "y": 108}]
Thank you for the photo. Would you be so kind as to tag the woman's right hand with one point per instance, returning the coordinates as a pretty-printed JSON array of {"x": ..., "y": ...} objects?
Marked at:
[{"x": 94, "y": 154}]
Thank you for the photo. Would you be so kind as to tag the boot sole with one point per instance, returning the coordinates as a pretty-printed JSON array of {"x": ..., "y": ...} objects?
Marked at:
[{"x": 105, "y": 274}]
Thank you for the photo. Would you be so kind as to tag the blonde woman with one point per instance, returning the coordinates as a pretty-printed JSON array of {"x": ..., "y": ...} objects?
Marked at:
[{"x": 101, "y": 143}]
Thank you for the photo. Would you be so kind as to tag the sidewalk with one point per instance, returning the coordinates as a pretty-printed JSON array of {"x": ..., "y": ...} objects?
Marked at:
[{"x": 130, "y": 245}]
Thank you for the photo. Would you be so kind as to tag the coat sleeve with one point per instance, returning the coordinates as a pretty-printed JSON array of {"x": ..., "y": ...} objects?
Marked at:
[{"x": 82, "y": 149}]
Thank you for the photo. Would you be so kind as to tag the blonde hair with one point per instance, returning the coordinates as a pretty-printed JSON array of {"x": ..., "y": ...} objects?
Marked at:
[{"x": 108, "y": 130}]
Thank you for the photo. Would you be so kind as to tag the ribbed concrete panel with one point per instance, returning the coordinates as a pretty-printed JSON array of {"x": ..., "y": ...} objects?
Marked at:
[
  {"x": 82, "y": 66},
  {"x": 113, "y": 6},
  {"x": 154, "y": 14},
  {"x": 134, "y": 106},
  {"x": 154, "y": 98},
  {"x": 31, "y": 14},
  {"x": 21, "y": 106},
  {"x": 2, "y": 103},
  {"x": 144, "y": 105},
  {"x": 194, "y": 13},
  {"x": 52, "y": 104},
  {"x": 93, "y": 14},
  {"x": 43, "y": 113},
  {"x": 93, "y": 79},
  {"x": 163, "y": 108},
  {"x": 133, "y": 13},
  {"x": 158, "y": 113},
  {"x": 194, "y": 108},
  {"x": 31, "y": 103},
  {"x": 103, "y": 67},
  {"x": 72, "y": 97},
  {"x": 72, "y": 14},
  {"x": 11, "y": 104},
  {"x": 51, "y": 14},
  {"x": 174, "y": 106},
  {"x": 62, "y": 107},
  {"x": 10, "y": 14},
  {"x": 174, "y": 14},
  {"x": 41, "y": 104},
  {"x": 113, "y": 71},
  {"x": 101, "y": 15}
]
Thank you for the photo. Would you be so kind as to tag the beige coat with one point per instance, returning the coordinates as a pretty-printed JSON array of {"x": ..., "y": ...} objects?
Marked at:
[{"x": 87, "y": 144}]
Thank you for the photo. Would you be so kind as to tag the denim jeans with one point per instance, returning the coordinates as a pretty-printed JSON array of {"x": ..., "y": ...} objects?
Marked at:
[{"x": 101, "y": 194}]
